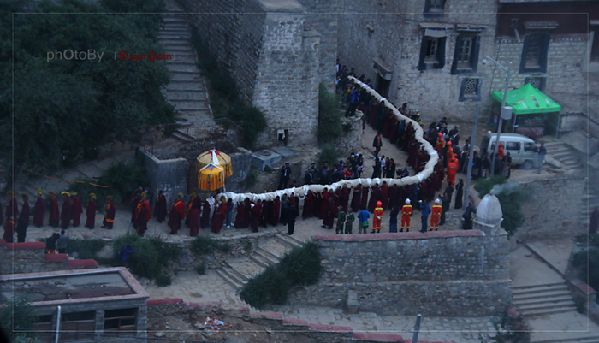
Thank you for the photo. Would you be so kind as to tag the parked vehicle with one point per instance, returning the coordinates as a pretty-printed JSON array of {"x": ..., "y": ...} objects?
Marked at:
[{"x": 522, "y": 149}]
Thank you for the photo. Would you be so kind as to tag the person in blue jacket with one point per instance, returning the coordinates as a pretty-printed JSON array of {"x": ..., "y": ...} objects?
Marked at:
[{"x": 363, "y": 217}]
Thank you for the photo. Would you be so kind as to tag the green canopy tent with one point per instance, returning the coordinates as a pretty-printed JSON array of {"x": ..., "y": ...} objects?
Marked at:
[{"x": 534, "y": 112}]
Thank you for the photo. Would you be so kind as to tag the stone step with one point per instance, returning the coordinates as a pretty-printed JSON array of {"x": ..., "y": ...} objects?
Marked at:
[
  {"x": 184, "y": 77},
  {"x": 561, "y": 154},
  {"x": 544, "y": 285},
  {"x": 174, "y": 17},
  {"x": 293, "y": 239},
  {"x": 542, "y": 295},
  {"x": 566, "y": 298},
  {"x": 549, "y": 288},
  {"x": 246, "y": 269},
  {"x": 583, "y": 339},
  {"x": 273, "y": 259},
  {"x": 189, "y": 105},
  {"x": 178, "y": 58},
  {"x": 275, "y": 248},
  {"x": 181, "y": 137},
  {"x": 176, "y": 48},
  {"x": 163, "y": 36},
  {"x": 546, "y": 307},
  {"x": 187, "y": 95},
  {"x": 533, "y": 313},
  {"x": 174, "y": 40},
  {"x": 260, "y": 260},
  {"x": 182, "y": 67},
  {"x": 183, "y": 86},
  {"x": 283, "y": 239},
  {"x": 235, "y": 274},
  {"x": 174, "y": 28},
  {"x": 232, "y": 282}
]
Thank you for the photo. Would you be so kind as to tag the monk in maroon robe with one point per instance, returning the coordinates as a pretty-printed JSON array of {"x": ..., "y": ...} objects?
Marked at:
[
  {"x": 23, "y": 221},
  {"x": 12, "y": 210},
  {"x": 387, "y": 123},
  {"x": 385, "y": 195},
  {"x": 343, "y": 197},
  {"x": 264, "y": 215},
  {"x": 242, "y": 219},
  {"x": 66, "y": 214},
  {"x": 392, "y": 197},
  {"x": 332, "y": 212},
  {"x": 205, "y": 220},
  {"x": 194, "y": 220},
  {"x": 356, "y": 197},
  {"x": 324, "y": 203},
  {"x": 364, "y": 201},
  {"x": 110, "y": 213},
  {"x": 219, "y": 216},
  {"x": 308, "y": 205},
  {"x": 275, "y": 213},
  {"x": 143, "y": 213},
  {"x": 160, "y": 207},
  {"x": 373, "y": 112},
  {"x": 38, "y": 210},
  {"x": 134, "y": 203},
  {"x": 90, "y": 212},
  {"x": 77, "y": 210},
  {"x": 54, "y": 215},
  {"x": 256, "y": 214},
  {"x": 376, "y": 195},
  {"x": 9, "y": 230},
  {"x": 1, "y": 214}
]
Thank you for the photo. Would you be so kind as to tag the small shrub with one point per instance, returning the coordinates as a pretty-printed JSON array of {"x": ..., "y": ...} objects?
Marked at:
[
  {"x": 329, "y": 116},
  {"x": 302, "y": 265},
  {"x": 224, "y": 247},
  {"x": 587, "y": 265},
  {"x": 17, "y": 315},
  {"x": 328, "y": 154},
  {"x": 251, "y": 179},
  {"x": 123, "y": 178},
  {"x": 509, "y": 329},
  {"x": 202, "y": 245},
  {"x": 268, "y": 169},
  {"x": 163, "y": 280},
  {"x": 85, "y": 248},
  {"x": 201, "y": 269}
]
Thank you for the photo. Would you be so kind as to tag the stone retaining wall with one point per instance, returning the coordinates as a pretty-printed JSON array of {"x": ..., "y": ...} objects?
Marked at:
[
  {"x": 447, "y": 273},
  {"x": 351, "y": 140}
]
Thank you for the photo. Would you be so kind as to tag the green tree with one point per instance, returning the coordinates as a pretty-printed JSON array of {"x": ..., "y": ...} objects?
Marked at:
[{"x": 329, "y": 116}]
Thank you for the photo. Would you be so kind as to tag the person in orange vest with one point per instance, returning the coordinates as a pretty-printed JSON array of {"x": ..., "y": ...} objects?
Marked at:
[
  {"x": 440, "y": 144},
  {"x": 452, "y": 169},
  {"x": 436, "y": 215},
  {"x": 406, "y": 214},
  {"x": 449, "y": 151},
  {"x": 378, "y": 217},
  {"x": 500, "y": 152}
]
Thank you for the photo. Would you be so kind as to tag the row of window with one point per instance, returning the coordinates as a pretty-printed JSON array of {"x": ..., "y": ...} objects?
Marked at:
[
  {"x": 470, "y": 89},
  {"x": 467, "y": 46}
]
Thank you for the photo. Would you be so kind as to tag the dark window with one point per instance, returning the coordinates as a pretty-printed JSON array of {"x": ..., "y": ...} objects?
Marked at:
[
  {"x": 530, "y": 147},
  {"x": 536, "y": 82},
  {"x": 513, "y": 146},
  {"x": 120, "y": 320},
  {"x": 470, "y": 89},
  {"x": 432, "y": 53},
  {"x": 595, "y": 47},
  {"x": 465, "y": 58},
  {"x": 433, "y": 8},
  {"x": 534, "y": 53},
  {"x": 78, "y": 325}
]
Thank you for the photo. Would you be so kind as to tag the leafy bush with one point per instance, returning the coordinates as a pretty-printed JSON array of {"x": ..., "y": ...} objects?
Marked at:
[
  {"x": 510, "y": 329},
  {"x": 204, "y": 245},
  {"x": 151, "y": 256},
  {"x": 163, "y": 280},
  {"x": 509, "y": 197},
  {"x": 224, "y": 100},
  {"x": 251, "y": 179},
  {"x": 587, "y": 265},
  {"x": 93, "y": 100},
  {"x": 328, "y": 154},
  {"x": 17, "y": 314},
  {"x": 299, "y": 267},
  {"x": 268, "y": 169},
  {"x": 329, "y": 116},
  {"x": 85, "y": 248}
]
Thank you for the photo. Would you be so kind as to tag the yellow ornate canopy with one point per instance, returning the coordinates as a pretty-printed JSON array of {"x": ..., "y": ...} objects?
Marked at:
[
  {"x": 211, "y": 178},
  {"x": 218, "y": 158}
]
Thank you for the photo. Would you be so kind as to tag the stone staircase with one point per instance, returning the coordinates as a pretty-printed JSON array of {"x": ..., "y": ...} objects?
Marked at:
[
  {"x": 537, "y": 300},
  {"x": 187, "y": 90},
  {"x": 567, "y": 156},
  {"x": 238, "y": 272},
  {"x": 588, "y": 339}
]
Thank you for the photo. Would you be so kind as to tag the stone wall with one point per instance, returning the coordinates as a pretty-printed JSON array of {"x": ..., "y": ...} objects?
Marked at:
[
  {"x": 556, "y": 215},
  {"x": 29, "y": 257},
  {"x": 169, "y": 176},
  {"x": 396, "y": 38},
  {"x": 351, "y": 141},
  {"x": 407, "y": 274},
  {"x": 272, "y": 56}
]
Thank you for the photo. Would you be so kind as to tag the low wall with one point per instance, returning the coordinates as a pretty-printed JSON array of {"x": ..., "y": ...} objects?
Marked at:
[
  {"x": 29, "y": 257},
  {"x": 447, "y": 273}
]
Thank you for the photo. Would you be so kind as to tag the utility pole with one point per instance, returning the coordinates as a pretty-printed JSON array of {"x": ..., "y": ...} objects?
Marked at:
[
  {"x": 470, "y": 157},
  {"x": 503, "y": 102}
]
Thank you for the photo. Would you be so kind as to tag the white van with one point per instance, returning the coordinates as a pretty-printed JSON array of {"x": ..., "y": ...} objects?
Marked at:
[{"x": 522, "y": 149}]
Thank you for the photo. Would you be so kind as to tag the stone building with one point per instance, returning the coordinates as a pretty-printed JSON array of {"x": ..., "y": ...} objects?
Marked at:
[
  {"x": 272, "y": 55},
  {"x": 427, "y": 53}
]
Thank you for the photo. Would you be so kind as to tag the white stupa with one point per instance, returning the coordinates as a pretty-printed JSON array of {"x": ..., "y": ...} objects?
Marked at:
[{"x": 489, "y": 211}]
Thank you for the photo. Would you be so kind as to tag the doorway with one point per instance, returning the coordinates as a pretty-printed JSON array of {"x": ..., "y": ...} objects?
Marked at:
[{"x": 382, "y": 85}]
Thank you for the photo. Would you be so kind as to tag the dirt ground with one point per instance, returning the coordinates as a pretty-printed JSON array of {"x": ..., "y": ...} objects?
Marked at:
[{"x": 178, "y": 328}]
